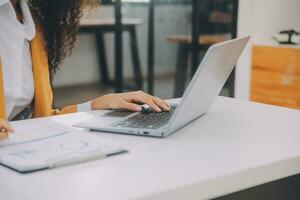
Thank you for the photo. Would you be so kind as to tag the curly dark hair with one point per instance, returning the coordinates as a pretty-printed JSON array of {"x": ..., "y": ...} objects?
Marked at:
[{"x": 59, "y": 21}]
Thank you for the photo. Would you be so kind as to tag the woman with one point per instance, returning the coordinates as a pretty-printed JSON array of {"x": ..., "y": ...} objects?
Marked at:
[{"x": 35, "y": 37}]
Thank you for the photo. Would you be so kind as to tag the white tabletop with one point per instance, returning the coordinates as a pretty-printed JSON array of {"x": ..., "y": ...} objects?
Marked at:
[{"x": 235, "y": 146}]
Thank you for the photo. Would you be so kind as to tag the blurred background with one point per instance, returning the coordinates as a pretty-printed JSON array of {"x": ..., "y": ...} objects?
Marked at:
[{"x": 156, "y": 46}]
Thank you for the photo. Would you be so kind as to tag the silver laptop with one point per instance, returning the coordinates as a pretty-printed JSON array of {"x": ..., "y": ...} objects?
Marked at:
[{"x": 201, "y": 93}]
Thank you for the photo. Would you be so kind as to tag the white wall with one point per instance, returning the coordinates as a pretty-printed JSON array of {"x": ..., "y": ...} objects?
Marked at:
[{"x": 261, "y": 19}]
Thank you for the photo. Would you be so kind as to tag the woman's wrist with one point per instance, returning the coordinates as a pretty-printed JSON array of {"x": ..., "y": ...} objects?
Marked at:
[
  {"x": 100, "y": 103},
  {"x": 93, "y": 105}
]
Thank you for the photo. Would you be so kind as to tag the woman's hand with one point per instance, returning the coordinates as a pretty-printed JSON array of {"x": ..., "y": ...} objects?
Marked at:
[
  {"x": 130, "y": 101},
  {"x": 5, "y": 129}
]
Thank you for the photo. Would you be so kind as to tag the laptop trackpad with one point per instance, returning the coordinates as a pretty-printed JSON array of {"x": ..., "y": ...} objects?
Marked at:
[
  {"x": 105, "y": 120},
  {"x": 118, "y": 114}
]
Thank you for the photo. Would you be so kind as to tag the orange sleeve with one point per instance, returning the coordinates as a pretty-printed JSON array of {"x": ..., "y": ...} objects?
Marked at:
[
  {"x": 2, "y": 97},
  {"x": 43, "y": 100}
]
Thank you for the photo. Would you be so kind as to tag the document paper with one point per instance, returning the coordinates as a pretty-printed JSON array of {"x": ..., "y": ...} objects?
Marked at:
[{"x": 26, "y": 153}]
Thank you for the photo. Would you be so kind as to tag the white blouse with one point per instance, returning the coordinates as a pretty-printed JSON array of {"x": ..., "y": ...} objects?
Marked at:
[
  {"x": 16, "y": 60},
  {"x": 16, "y": 57}
]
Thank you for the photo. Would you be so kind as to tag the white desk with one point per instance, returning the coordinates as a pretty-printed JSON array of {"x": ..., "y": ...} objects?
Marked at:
[{"x": 236, "y": 146}]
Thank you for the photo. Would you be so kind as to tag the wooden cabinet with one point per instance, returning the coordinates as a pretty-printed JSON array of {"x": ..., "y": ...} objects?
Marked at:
[{"x": 276, "y": 76}]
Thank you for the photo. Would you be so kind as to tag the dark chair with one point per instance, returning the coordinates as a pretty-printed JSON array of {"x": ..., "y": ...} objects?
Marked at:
[{"x": 184, "y": 51}]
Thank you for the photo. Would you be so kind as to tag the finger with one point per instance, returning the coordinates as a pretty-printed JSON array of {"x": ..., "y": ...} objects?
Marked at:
[
  {"x": 131, "y": 106},
  {"x": 149, "y": 102},
  {"x": 7, "y": 127},
  {"x": 142, "y": 97},
  {"x": 3, "y": 136},
  {"x": 3, "y": 131},
  {"x": 148, "y": 99},
  {"x": 161, "y": 103},
  {"x": 153, "y": 105}
]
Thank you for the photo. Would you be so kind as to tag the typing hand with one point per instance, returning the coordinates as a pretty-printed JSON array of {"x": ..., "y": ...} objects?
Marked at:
[
  {"x": 5, "y": 129},
  {"x": 130, "y": 101}
]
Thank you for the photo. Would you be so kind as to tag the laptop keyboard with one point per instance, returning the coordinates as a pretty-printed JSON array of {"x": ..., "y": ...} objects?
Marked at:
[{"x": 147, "y": 119}]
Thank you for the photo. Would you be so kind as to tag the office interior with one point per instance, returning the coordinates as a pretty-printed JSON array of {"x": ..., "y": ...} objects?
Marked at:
[
  {"x": 163, "y": 42},
  {"x": 157, "y": 45}
]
